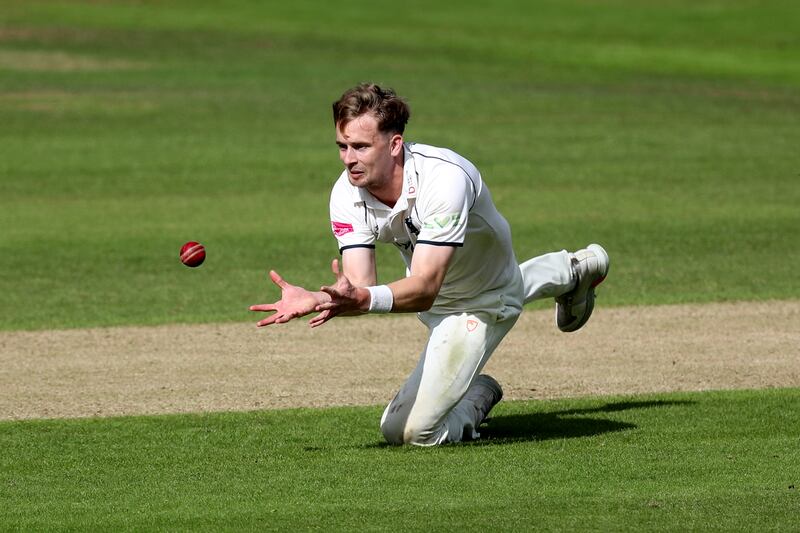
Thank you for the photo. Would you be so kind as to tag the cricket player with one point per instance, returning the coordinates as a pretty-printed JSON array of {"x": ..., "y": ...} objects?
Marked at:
[{"x": 462, "y": 278}]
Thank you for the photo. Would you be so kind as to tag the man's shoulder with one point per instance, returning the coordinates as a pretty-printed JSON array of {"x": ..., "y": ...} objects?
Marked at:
[
  {"x": 443, "y": 172},
  {"x": 427, "y": 157},
  {"x": 421, "y": 151}
]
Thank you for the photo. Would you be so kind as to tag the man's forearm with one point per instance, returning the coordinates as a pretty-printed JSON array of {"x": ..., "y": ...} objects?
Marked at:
[
  {"x": 413, "y": 294},
  {"x": 410, "y": 295}
]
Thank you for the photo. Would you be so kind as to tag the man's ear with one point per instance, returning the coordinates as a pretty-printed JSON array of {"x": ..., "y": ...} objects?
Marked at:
[{"x": 396, "y": 144}]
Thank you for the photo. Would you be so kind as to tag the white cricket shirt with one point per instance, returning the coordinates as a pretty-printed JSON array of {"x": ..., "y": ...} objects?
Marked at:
[{"x": 444, "y": 203}]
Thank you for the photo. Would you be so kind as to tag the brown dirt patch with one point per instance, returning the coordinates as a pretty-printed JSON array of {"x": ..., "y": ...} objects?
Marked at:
[{"x": 149, "y": 370}]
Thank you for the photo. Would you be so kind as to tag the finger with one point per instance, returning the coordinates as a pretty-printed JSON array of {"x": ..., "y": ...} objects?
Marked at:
[
  {"x": 320, "y": 319},
  {"x": 286, "y": 317},
  {"x": 325, "y": 306},
  {"x": 277, "y": 279},
  {"x": 266, "y": 322},
  {"x": 335, "y": 268},
  {"x": 264, "y": 307},
  {"x": 329, "y": 290},
  {"x": 277, "y": 318}
]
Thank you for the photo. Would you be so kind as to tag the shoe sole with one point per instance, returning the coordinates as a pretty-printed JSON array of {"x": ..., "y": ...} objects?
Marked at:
[{"x": 600, "y": 251}]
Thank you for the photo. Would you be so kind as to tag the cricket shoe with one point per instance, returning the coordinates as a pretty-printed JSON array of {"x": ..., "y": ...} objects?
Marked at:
[
  {"x": 574, "y": 308},
  {"x": 485, "y": 393}
]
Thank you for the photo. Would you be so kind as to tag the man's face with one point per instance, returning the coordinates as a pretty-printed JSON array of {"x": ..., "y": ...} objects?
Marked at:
[{"x": 367, "y": 153}]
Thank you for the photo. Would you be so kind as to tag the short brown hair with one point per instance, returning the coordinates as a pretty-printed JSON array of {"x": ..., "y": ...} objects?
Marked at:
[{"x": 391, "y": 111}]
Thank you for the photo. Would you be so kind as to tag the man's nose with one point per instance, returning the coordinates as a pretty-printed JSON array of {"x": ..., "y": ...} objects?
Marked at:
[{"x": 349, "y": 156}]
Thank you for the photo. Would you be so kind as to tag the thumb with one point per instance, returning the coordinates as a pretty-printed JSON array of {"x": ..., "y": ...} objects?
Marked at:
[{"x": 277, "y": 279}]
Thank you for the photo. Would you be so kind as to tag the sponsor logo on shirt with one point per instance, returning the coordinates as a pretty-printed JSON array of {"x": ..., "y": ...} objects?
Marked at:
[
  {"x": 341, "y": 228},
  {"x": 442, "y": 221}
]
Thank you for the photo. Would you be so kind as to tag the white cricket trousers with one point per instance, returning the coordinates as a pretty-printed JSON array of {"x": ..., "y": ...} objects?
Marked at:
[{"x": 440, "y": 402}]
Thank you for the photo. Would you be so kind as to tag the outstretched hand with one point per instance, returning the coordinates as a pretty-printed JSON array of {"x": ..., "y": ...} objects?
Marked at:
[
  {"x": 295, "y": 302},
  {"x": 344, "y": 298}
]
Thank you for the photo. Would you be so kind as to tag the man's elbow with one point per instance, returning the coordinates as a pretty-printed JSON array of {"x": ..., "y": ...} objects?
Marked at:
[
  {"x": 427, "y": 300},
  {"x": 426, "y": 291}
]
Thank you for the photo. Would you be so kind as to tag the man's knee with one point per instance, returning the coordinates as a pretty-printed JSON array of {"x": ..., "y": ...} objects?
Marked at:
[
  {"x": 397, "y": 431},
  {"x": 423, "y": 436}
]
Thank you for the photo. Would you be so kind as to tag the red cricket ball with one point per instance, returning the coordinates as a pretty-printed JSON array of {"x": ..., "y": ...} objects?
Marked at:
[{"x": 193, "y": 254}]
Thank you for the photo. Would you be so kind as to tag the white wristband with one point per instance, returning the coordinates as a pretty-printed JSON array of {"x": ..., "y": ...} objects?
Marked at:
[{"x": 381, "y": 299}]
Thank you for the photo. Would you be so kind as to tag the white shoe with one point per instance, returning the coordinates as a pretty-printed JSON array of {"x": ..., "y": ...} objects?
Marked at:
[{"x": 574, "y": 308}]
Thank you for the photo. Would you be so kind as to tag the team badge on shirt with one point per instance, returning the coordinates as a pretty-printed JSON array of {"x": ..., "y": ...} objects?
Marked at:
[{"x": 341, "y": 228}]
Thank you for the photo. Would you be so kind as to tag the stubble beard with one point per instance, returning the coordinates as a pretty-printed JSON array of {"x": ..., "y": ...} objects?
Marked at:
[{"x": 362, "y": 181}]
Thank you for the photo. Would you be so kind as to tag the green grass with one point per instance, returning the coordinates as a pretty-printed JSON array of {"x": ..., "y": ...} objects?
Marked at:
[
  {"x": 720, "y": 461},
  {"x": 667, "y": 131}
]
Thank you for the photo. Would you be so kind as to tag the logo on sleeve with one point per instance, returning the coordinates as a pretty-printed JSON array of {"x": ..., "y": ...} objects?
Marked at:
[
  {"x": 442, "y": 221},
  {"x": 341, "y": 228}
]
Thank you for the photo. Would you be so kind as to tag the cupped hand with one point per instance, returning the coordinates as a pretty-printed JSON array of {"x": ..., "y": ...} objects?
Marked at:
[{"x": 344, "y": 298}]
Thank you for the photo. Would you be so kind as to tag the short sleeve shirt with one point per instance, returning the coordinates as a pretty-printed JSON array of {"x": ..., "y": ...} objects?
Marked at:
[{"x": 444, "y": 202}]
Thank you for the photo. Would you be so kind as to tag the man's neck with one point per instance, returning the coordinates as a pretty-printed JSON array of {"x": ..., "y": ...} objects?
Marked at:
[{"x": 391, "y": 192}]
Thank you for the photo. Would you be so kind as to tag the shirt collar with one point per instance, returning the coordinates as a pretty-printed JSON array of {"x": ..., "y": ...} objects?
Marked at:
[
  {"x": 410, "y": 176},
  {"x": 407, "y": 195}
]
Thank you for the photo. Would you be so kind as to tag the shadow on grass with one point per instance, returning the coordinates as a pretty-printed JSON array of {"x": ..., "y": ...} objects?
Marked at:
[
  {"x": 545, "y": 426},
  {"x": 623, "y": 406},
  {"x": 566, "y": 424}
]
